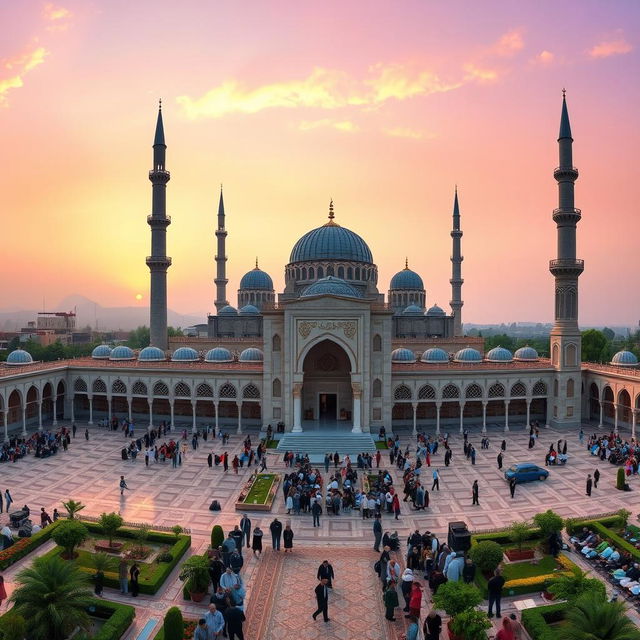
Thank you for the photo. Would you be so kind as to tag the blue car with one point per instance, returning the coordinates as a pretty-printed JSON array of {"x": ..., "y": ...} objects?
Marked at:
[{"x": 526, "y": 472}]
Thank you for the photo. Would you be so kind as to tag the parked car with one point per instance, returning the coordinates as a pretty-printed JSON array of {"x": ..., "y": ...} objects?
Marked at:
[{"x": 526, "y": 472}]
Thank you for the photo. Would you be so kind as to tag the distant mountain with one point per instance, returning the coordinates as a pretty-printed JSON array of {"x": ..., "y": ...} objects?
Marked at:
[{"x": 92, "y": 313}]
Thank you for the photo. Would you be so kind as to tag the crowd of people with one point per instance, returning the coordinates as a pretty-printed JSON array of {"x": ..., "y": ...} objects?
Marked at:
[{"x": 41, "y": 444}]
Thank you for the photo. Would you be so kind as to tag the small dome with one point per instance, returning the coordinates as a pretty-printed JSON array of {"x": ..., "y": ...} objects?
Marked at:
[
  {"x": 435, "y": 311},
  {"x": 218, "y": 354},
  {"x": 525, "y": 353},
  {"x": 151, "y": 354},
  {"x": 251, "y": 355},
  {"x": 403, "y": 355},
  {"x": 228, "y": 311},
  {"x": 19, "y": 356},
  {"x": 256, "y": 279},
  {"x": 185, "y": 354},
  {"x": 620, "y": 359},
  {"x": 468, "y": 355},
  {"x": 331, "y": 286},
  {"x": 101, "y": 352},
  {"x": 435, "y": 355},
  {"x": 122, "y": 353},
  {"x": 406, "y": 279},
  {"x": 499, "y": 354},
  {"x": 249, "y": 310},
  {"x": 412, "y": 310}
]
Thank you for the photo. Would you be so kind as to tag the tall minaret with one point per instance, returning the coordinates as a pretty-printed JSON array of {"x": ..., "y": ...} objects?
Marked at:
[
  {"x": 456, "y": 270},
  {"x": 221, "y": 259},
  {"x": 565, "y": 335},
  {"x": 158, "y": 262}
]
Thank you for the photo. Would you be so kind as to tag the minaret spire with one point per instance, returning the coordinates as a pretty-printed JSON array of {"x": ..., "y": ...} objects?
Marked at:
[
  {"x": 456, "y": 269},
  {"x": 221, "y": 258},
  {"x": 566, "y": 269},
  {"x": 158, "y": 262}
]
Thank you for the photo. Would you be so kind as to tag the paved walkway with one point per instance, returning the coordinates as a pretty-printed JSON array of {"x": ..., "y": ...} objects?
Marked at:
[{"x": 161, "y": 495}]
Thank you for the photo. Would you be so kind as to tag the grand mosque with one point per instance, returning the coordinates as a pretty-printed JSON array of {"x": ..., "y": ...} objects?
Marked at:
[{"x": 332, "y": 351}]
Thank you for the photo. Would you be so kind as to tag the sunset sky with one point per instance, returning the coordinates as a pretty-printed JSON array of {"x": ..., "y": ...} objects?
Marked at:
[{"x": 381, "y": 106}]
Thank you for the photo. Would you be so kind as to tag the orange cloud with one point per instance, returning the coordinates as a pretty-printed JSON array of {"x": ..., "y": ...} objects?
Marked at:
[
  {"x": 406, "y": 132},
  {"x": 609, "y": 48},
  {"x": 341, "y": 125},
  {"x": 13, "y": 70},
  {"x": 56, "y": 16},
  {"x": 396, "y": 81},
  {"x": 544, "y": 57},
  {"x": 480, "y": 75},
  {"x": 509, "y": 43}
]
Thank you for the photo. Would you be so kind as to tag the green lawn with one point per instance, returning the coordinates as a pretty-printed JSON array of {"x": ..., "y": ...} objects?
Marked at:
[
  {"x": 381, "y": 444},
  {"x": 519, "y": 570},
  {"x": 272, "y": 444},
  {"x": 260, "y": 490}
]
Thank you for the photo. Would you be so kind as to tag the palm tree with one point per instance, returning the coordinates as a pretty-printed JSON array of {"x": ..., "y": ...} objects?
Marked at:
[
  {"x": 53, "y": 596},
  {"x": 72, "y": 507},
  {"x": 570, "y": 586},
  {"x": 593, "y": 618}
]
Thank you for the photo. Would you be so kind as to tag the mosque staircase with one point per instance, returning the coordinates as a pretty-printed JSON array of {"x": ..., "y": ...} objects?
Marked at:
[{"x": 317, "y": 443}]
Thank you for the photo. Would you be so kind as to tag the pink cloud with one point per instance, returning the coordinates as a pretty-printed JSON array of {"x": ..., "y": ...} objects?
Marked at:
[
  {"x": 13, "y": 70},
  {"x": 609, "y": 48},
  {"x": 510, "y": 43}
]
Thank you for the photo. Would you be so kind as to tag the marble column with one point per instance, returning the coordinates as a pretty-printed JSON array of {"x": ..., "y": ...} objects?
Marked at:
[
  {"x": 615, "y": 418},
  {"x": 484, "y": 416},
  {"x": 24, "y": 419},
  {"x": 130, "y": 403},
  {"x": 414, "y": 406},
  {"x": 216, "y": 404},
  {"x": 150, "y": 402},
  {"x": 528, "y": 412},
  {"x": 90, "y": 409},
  {"x": 172, "y": 426},
  {"x": 506, "y": 416},
  {"x": 239, "y": 405},
  {"x": 438, "y": 405},
  {"x": 634, "y": 416},
  {"x": 73, "y": 408},
  {"x": 601, "y": 414},
  {"x": 39, "y": 415},
  {"x": 55, "y": 411},
  {"x": 461, "y": 416},
  {"x": 110, "y": 407},
  {"x": 5, "y": 425},
  {"x": 357, "y": 404},
  {"x": 297, "y": 407},
  {"x": 194, "y": 404}
]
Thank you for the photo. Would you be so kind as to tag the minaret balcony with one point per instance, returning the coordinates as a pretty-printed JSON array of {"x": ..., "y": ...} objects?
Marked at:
[
  {"x": 159, "y": 175},
  {"x": 566, "y": 215},
  {"x": 566, "y": 267},
  {"x": 158, "y": 262},
  {"x": 157, "y": 221},
  {"x": 565, "y": 173}
]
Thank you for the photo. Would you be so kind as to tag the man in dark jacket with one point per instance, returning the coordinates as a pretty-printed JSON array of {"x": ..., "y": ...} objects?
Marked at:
[
  {"x": 245, "y": 527},
  {"x": 322, "y": 598},
  {"x": 325, "y": 572},
  {"x": 468, "y": 571},
  {"x": 494, "y": 586},
  {"x": 238, "y": 537},
  {"x": 234, "y": 617},
  {"x": 276, "y": 533},
  {"x": 236, "y": 562},
  {"x": 377, "y": 533},
  {"x": 316, "y": 511}
]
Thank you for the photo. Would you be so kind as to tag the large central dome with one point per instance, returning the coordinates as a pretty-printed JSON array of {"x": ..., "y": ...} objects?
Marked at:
[{"x": 331, "y": 242}]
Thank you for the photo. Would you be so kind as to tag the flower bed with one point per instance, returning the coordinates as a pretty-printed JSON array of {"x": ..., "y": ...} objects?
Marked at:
[
  {"x": 189, "y": 630},
  {"x": 24, "y": 546},
  {"x": 152, "y": 575},
  {"x": 259, "y": 492},
  {"x": 537, "y": 621}
]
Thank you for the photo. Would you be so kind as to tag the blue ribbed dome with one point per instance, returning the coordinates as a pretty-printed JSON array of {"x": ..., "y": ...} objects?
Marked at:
[
  {"x": 19, "y": 356},
  {"x": 406, "y": 279},
  {"x": 332, "y": 286},
  {"x": 251, "y": 355},
  {"x": 331, "y": 242},
  {"x": 435, "y": 355},
  {"x": 151, "y": 354},
  {"x": 218, "y": 354},
  {"x": 185, "y": 354},
  {"x": 435, "y": 311},
  {"x": 499, "y": 354},
  {"x": 620, "y": 359},
  {"x": 412, "y": 310},
  {"x": 122, "y": 353},
  {"x": 101, "y": 352},
  {"x": 228, "y": 311},
  {"x": 403, "y": 355},
  {"x": 257, "y": 279},
  {"x": 249, "y": 310},
  {"x": 468, "y": 355},
  {"x": 525, "y": 353}
]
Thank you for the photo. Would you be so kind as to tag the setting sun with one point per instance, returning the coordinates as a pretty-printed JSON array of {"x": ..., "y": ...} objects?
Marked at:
[{"x": 138, "y": 296}]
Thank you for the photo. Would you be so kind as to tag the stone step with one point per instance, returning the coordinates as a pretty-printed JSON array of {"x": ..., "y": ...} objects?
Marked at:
[{"x": 318, "y": 443}]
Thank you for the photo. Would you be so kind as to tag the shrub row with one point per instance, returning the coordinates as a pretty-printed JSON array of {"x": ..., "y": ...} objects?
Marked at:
[
  {"x": 536, "y": 621},
  {"x": 120, "y": 618},
  {"x": 504, "y": 537},
  {"x": 24, "y": 546},
  {"x": 575, "y": 526}
]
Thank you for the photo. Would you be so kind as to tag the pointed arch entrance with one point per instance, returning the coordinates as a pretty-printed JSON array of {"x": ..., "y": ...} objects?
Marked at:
[{"x": 327, "y": 395}]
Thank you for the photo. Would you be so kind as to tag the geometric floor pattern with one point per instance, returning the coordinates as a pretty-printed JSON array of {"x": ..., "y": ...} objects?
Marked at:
[{"x": 161, "y": 495}]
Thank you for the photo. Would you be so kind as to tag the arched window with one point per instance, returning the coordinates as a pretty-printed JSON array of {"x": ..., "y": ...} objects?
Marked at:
[
  {"x": 473, "y": 391},
  {"x": 570, "y": 388},
  {"x": 118, "y": 387},
  {"x": 377, "y": 388},
  {"x": 227, "y": 390},
  {"x": 539, "y": 388},
  {"x": 276, "y": 388},
  {"x": 357, "y": 273},
  {"x": 304, "y": 273},
  {"x": 182, "y": 390},
  {"x": 251, "y": 392},
  {"x": 275, "y": 343},
  {"x": 518, "y": 390},
  {"x": 377, "y": 343},
  {"x": 451, "y": 391},
  {"x": 341, "y": 272},
  {"x": 320, "y": 273},
  {"x": 160, "y": 389},
  {"x": 571, "y": 357},
  {"x": 427, "y": 393},
  {"x": 204, "y": 391},
  {"x": 554, "y": 355},
  {"x": 330, "y": 270},
  {"x": 80, "y": 385},
  {"x": 311, "y": 273},
  {"x": 496, "y": 390},
  {"x": 139, "y": 388},
  {"x": 402, "y": 393}
]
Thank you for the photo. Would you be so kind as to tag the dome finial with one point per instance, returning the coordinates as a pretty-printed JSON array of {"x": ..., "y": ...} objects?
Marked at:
[
  {"x": 257, "y": 263},
  {"x": 406, "y": 262},
  {"x": 564, "y": 92},
  {"x": 331, "y": 214}
]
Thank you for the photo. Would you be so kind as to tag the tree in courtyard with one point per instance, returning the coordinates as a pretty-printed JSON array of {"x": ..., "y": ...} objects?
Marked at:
[
  {"x": 593, "y": 618},
  {"x": 110, "y": 523},
  {"x": 487, "y": 555},
  {"x": 173, "y": 624},
  {"x": 549, "y": 522},
  {"x": 572, "y": 585},
  {"x": 12, "y": 627},
  {"x": 53, "y": 596},
  {"x": 519, "y": 532},
  {"x": 593, "y": 342},
  {"x": 72, "y": 507},
  {"x": 68, "y": 535}
]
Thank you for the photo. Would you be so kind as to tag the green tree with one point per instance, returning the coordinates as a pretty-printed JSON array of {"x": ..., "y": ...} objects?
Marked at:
[
  {"x": 471, "y": 624},
  {"x": 173, "y": 332},
  {"x": 593, "y": 618},
  {"x": 12, "y": 627},
  {"x": 195, "y": 574},
  {"x": 72, "y": 507},
  {"x": 68, "y": 535},
  {"x": 486, "y": 554},
  {"x": 456, "y": 597},
  {"x": 573, "y": 585},
  {"x": 177, "y": 530},
  {"x": 173, "y": 624},
  {"x": 609, "y": 334},
  {"x": 139, "y": 338},
  {"x": 110, "y": 523},
  {"x": 549, "y": 522},
  {"x": 53, "y": 596},
  {"x": 620, "y": 479},
  {"x": 593, "y": 342},
  {"x": 519, "y": 532},
  {"x": 217, "y": 536}
]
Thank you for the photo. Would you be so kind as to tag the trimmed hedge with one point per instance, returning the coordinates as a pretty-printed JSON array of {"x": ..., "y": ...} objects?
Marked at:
[
  {"x": 536, "y": 621},
  {"x": 189, "y": 630},
  {"x": 575, "y": 526},
  {"x": 162, "y": 569},
  {"x": 24, "y": 546},
  {"x": 504, "y": 537}
]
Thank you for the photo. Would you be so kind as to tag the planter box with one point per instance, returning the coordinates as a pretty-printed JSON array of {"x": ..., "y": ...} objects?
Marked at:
[
  {"x": 242, "y": 504},
  {"x": 514, "y": 555},
  {"x": 103, "y": 545}
]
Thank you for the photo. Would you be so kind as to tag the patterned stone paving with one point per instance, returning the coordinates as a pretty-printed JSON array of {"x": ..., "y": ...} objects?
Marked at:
[{"x": 282, "y": 607}]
